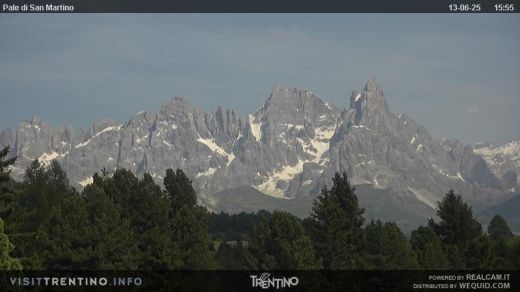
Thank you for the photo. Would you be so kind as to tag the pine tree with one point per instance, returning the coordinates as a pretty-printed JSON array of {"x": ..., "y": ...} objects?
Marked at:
[
  {"x": 113, "y": 243},
  {"x": 64, "y": 240},
  {"x": 479, "y": 253},
  {"x": 6, "y": 192},
  {"x": 229, "y": 257},
  {"x": 336, "y": 226},
  {"x": 388, "y": 247},
  {"x": 373, "y": 249},
  {"x": 281, "y": 243},
  {"x": 190, "y": 235},
  {"x": 498, "y": 229},
  {"x": 152, "y": 228},
  {"x": 146, "y": 208},
  {"x": 457, "y": 227},
  {"x": 180, "y": 190},
  {"x": 455, "y": 257},
  {"x": 123, "y": 188},
  {"x": 429, "y": 249},
  {"x": 42, "y": 190},
  {"x": 6, "y": 247},
  {"x": 189, "y": 222}
]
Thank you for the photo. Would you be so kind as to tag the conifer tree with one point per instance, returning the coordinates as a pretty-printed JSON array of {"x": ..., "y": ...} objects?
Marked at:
[
  {"x": 64, "y": 240},
  {"x": 190, "y": 236},
  {"x": 498, "y": 228},
  {"x": 429, "y": 249},
  {"x": 6, "y": 193},
  {"x": 373, "y": 249},
  {"x": 189, "y": 222},
  {"x": 457, "y": 227},
  {"x": 43, "y": 189},
  {"x": 152, "y": 227},
  {"x": 6, "y": 247},
  {"x": 281, "y": 243},
  {"x": 179, "y": 189},
  {"x": 336, "y": 226},
  {"x": 389, "y": 248},
  {"x": 501, "y": 236},
  {"x": 114, "y": 245}
]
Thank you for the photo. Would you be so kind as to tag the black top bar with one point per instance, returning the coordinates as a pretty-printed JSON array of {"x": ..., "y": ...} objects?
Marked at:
[{"x": 260, "y": 6}]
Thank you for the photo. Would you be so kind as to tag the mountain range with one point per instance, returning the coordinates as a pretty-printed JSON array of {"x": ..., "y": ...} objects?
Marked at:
[{"x": 283, "y": 154}]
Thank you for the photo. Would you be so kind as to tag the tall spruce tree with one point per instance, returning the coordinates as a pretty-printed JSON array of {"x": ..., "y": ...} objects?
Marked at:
[
  {"x": 151, "y": 224},
  {"x": 388, "y": 248},
  {"x": 429, "y": 249},
  {"x": 6, "y": 247},
  {"x": 498, "y": 228},
  {"x": 44, "y": 188},
  {"x": 6, "y": 192},
  {"x": 122, "y": 187},
  {"x": 457, "y": 227},
  {"x": 189, "y": 222},
  {"x": 180, "y": 190},
  {"x": 373, "y": 249},
  {"x": 501, "y": 241},
  {"x": 281, "y": 244},
  {"x": 64, "y": 240},
  {"x": 336, "y": 226},
  {"x": 146, "y": 208},
  {"x": 114, "y": 245}
]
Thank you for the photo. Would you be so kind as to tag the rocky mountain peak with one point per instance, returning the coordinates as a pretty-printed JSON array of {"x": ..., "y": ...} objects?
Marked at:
[
  {"x": 372, "y": 85},
  {"x": 282, "y": 94},
  {"x": 176, "y": 104},
  {"x": 291, "y": 111},
  {"x": 35, "y": 121},
  {"x": 369, "y": 105},
  {"x": 289, "y": 148},
  {"x": 101, "y": 125}
]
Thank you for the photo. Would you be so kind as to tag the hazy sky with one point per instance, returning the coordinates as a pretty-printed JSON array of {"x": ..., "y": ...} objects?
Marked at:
[{"x": 458, "y": 75}]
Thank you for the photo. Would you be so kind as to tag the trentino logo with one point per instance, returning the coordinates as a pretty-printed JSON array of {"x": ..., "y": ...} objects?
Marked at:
[{"x": 265, "y": 281}]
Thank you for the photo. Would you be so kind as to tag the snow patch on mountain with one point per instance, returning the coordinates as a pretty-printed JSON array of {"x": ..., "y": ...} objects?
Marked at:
[
  {"x": 46, "y": 158},
  {"x": 498, "y": 155},
  {"x": 86, "y": 181},
  {"x": 361, "y": 127},
  {"x": 108, "y": 129},
  {"x": 256, "y": 128},
  {"x": 285, "y": 173},
  {"x": 209, "y": 172},
  {"x": 216, "y": 148},
  {"x": 419, "y": 195},
  {"x": 321, "y": 141}
]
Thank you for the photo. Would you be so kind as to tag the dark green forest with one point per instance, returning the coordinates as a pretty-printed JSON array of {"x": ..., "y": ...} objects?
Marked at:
[{"x": 121, "y": 221}]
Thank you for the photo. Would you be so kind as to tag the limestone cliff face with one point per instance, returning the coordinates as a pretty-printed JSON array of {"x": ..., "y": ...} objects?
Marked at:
[{"x": 289, "y": 148}]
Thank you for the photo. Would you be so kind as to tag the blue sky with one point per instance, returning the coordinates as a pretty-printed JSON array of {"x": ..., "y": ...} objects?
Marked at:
[{"x": 458, "y": 75}]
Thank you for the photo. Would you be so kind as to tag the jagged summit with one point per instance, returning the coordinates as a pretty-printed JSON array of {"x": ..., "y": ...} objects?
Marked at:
[
  {"x": 289, "y": 148},
  {"x": 35, "y": 121},
  {"x": 101, "y": 125},
  {"x": 176, "y": 102},
  {"x": 176, "y": 106},
  {"x": 371, "y": 85},
  {"x": 282, "y": 94},
  {"x": 368, "y": 106}
]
